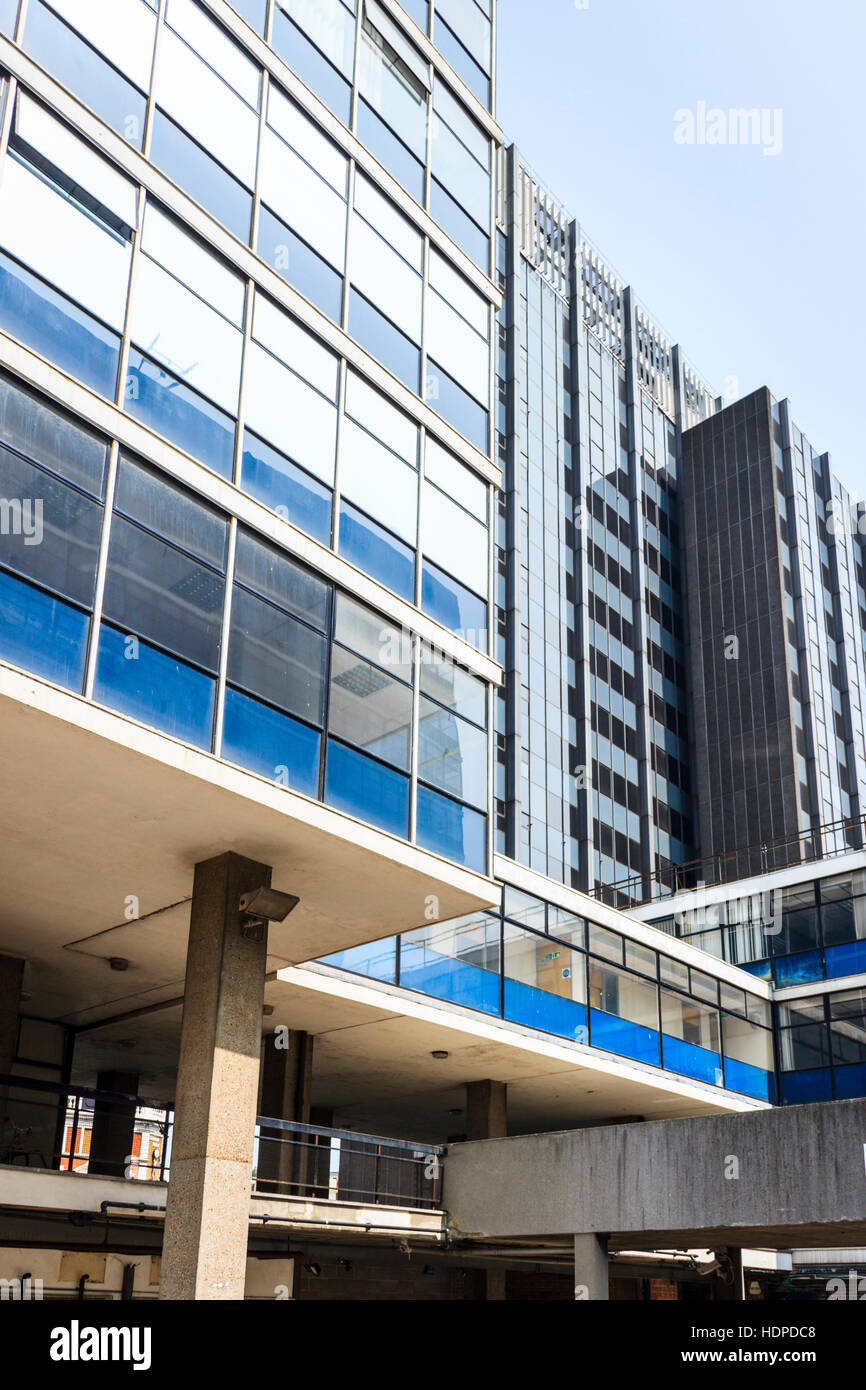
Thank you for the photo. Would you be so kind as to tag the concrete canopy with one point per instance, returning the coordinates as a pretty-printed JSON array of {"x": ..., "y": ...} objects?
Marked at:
[{"x": 102, "y": 822}]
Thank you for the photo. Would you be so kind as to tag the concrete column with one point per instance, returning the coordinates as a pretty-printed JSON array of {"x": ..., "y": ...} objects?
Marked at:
[
  {"x": 11, "y": 980},
  {"x": 487, "y": 1118},
  {"x": 286, "y": 1086},
  {"x": 486, "y": 1110},
  {"x": 591, "y": 1268},
  {"x": 207, "y": 1214},
  {"x": 113, "y": 1126}
]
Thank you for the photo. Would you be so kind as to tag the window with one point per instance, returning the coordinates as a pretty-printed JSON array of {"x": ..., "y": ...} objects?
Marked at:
[
  {"x": 368, "y": 789},
  {"x": 276, "y": 668},
  {"x": 545, "y": 985},
  {"x": 291, "y": 391},
  {"x": 386, "y": 260},
  {"x": 370, "y": 709},
  {"x": 317, "y": 39},
  {"x": 68, "y": 50},
  {"x": 52, "y": 479},
  {"x": 393, "y": 82},
  {"x": 378, "y": 553},
  {"x": 193, "y": 170},
  {"x": 163, "y": 606},
  {"x": 623, "y": 1013},
  {"x": 458, "y": 961},
  {"x": 690, "y": 1043},
  {"x": 378, "y": 482}
]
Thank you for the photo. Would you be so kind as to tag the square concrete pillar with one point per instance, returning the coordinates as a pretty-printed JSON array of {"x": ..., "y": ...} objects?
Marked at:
[
  {"x": 286, "y": 1087},
  {"x": 113, "y": 1128},
  {"x": 11, "y": 981},
  {"x": 591, "y": 1275},
  {"x": 486, "y": 1110},
  {"x": 728, "y": 1285},
  {"x": 207, "y": 1214}
]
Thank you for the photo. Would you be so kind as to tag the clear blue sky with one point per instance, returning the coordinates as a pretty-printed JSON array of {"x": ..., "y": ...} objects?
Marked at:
[{"x": 754, "y": 263}]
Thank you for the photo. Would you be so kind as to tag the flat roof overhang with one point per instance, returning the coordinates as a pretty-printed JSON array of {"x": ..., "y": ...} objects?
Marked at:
[{"x": 102, "y": 818}]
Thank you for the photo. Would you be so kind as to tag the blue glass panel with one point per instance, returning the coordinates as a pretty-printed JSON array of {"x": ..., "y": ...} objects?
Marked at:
[
  {"x": 761, "y": 969},
  {"x": 253, "y": 11},
  {"x": 453, "y": 606},
  {"x": 385, "y": 342},
  {"x": 311, "y": 66},
  {"x": 391, "y": 152},
  {"x": 459, "y": 225},
  {"x": 378, "y": 960},
  {"x": 172, "y": 408},
  {"x": 446, "y": 977},
  {"x": 42, "y": 634},
  {"x": 420, "y": 12},
  {"x": 749, "y": 1080},
  {"x": 272, "y": 478},
  {"x": 376, "y": 552},
  {"x": 53, "y": 539},
  {"x": 466, "y": 67},
  {"x": 193, "y": 170},
  {"x": 52, "y": 325},
  {"x": 626, "y": 1039},
  {"x": 8, "y": 15},
  {"x": 850, "y": 1082},
  {"x": 300, "y": 265},
  {"x": 690, "y": 1060},
  {"x": 270, "y": 743},
  {"x": 549, "y": 1012},
  {"x": 366, "y": 789},
  {"x": 452, "y": 830},
  {"x": 153, "y": 688},
  {"x": 59, "y": 49},
  {"x": 800, "y": 1086},
  {"x": 845, "y": 960},
  {"x": 797, "y": 970},
  {"x": 456, "y": 406}
]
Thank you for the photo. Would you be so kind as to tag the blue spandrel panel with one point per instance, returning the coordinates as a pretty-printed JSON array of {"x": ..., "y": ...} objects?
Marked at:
[
  {"x": 798, "y": 970},
  {"x": 801, "y": 1086},
  {"x": 154, "y": 688},
  {"x": 550, "y": 1013},
  {"x": 42, "y": 634},
  {"x": 850, "y": 1082},
  {"x": 446, "y": 977},
  {"x": 690, "y": 1060},
  {"x": 845, "y": 960},
  {"x": 749, "y": 1080},
  {"x": 364, "y": 788},
  {"x": 627, "y": 1039},
  {"x": 378, "y": 960},
  {"x": 270, "y": 743}
]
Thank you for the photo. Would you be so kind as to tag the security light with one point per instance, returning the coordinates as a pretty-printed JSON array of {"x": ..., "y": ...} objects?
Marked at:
[{"x": 263, "y": 905}]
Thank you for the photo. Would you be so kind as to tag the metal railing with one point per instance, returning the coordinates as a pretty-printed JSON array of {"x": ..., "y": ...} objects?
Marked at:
[
  {"x": 341, "y": 1165},
  {"x": 826, "y": 841},
  {"x": 47, "y": 1124}
]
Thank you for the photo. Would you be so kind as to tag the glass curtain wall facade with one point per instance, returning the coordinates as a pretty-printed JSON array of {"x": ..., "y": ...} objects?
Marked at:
[
  {"x": 593, "y": 765},
  {"x": 273, "y": 352}
]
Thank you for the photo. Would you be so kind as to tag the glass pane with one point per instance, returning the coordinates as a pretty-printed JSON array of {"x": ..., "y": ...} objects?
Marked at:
[
  {"x": 458, "y": 961},
  {"x": 454, "y": 606},
  {"x": 51, "y": 325},
  {"x": 370, "y": 709},
  {"x": 451, "y": 686},
  {"x": 366, "y": 789},
  {"x": 171, "y": 408},
  {"x": 303, "y": 200},
  {"x": 451, "y": 830},
  {"x": 187, "y": 336},
  {"x": 371, "y": 635},
  {"x": 273, "y": 575},
  {"x": 452, "y": 754},
  {"x": 455, "y": 541},
  {"x": 154, "y": 688},
  {"x": 193, "y": 170},
  {"x": 269, "y": 476},
  {"x": 286, "y": 411},
  {"x": 155, "y": 592},
  {"x": 376, "y": 552},
  {"x": 383, "y": 341},
  {"x": 33, "y": 427},
  {"x": 48, "y": 531},
  {"x": 42, "y": 634},
  {"x": 171, "y": 513},
  {"x": 300, "y": 265},
  {"x": 381, "y": 484},
  {"x": 276, "y": 657}
]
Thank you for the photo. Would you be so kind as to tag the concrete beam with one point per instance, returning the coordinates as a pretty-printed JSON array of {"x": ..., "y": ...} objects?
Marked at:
[{"x": 770, "y": 1179}]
